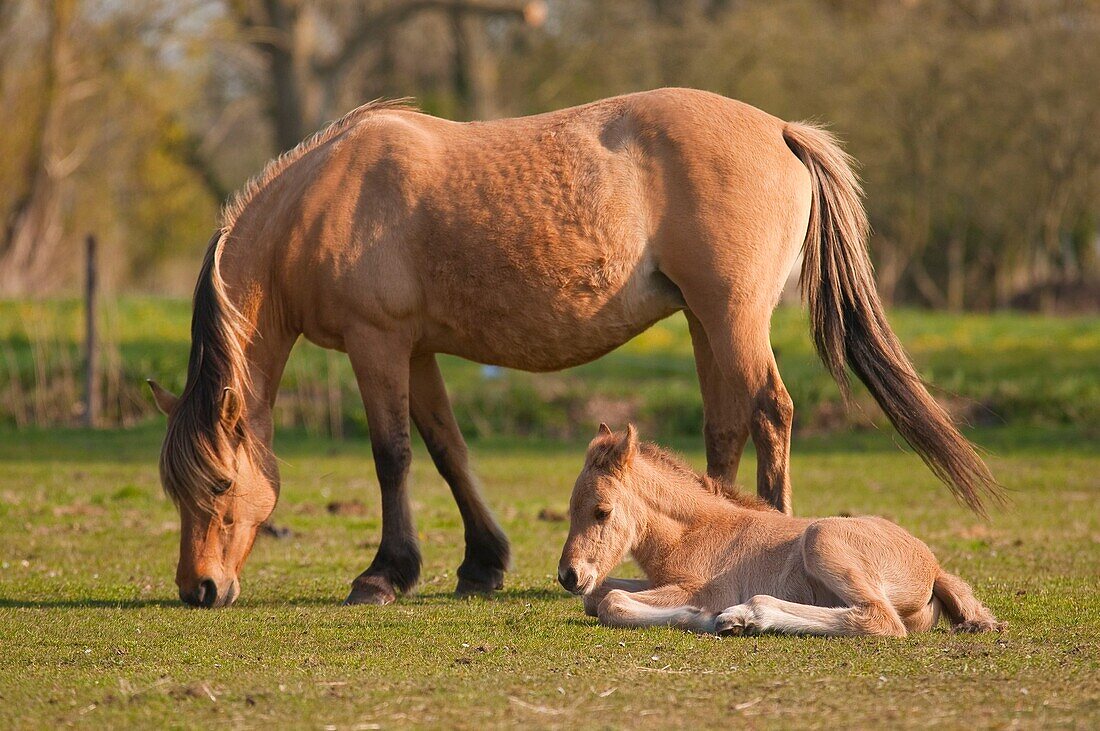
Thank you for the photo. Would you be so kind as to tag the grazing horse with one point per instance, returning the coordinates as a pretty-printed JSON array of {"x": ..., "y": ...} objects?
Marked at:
[
  {"x": 536, "y": 243},
  {"x": 720, "y": 562}
]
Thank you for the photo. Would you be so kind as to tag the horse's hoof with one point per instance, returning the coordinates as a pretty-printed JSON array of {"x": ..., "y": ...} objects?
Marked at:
[
  {"x": 468, "y": 587},
  {"x": 375, "y": 590}
]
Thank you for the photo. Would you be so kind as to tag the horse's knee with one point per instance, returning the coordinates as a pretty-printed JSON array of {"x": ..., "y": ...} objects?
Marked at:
[
  {"x": 392, "y": 459},
  {"x": 773, "y": 414}
]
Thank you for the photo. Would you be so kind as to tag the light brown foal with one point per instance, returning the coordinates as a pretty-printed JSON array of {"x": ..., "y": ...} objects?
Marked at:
[
  {"x": 724, "y": 563},
  {"x": 536, "y": 243}
]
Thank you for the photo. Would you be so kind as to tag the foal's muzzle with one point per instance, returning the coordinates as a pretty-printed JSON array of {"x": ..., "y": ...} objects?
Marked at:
[{"x": 569, "y": 580}]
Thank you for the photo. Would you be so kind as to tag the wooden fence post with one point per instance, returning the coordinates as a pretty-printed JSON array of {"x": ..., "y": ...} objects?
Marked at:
[{"x": 91, "y": 345}]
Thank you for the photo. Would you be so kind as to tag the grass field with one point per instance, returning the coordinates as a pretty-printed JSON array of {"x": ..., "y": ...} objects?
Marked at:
[{"x": 91, "y": 632}]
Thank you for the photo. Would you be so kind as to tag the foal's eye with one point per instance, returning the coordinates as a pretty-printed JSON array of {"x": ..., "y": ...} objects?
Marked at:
[
  {"x": 602, "y": 514},
  {"x": 222, "y": 486}
]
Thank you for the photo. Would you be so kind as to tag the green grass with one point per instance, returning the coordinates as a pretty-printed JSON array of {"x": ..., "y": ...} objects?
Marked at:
[
  {"x": 91, "y": 633},
  {"x": 994, "y": 369}
]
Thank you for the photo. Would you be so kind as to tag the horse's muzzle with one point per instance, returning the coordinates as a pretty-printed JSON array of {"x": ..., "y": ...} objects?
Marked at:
[{"x": 207, "y": 595}]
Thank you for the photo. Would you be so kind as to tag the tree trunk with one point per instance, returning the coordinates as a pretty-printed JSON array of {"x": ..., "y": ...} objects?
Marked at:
[{"x": 33, "y": 235}]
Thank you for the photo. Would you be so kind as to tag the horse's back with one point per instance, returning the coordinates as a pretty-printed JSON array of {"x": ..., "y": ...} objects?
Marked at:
[{"x": 545, "y": 241}]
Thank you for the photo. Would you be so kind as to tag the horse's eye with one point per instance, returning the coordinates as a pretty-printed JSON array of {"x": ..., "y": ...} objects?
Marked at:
[
  {"x": 222, "y": 486},
  {"x": 602, "y": 514}
]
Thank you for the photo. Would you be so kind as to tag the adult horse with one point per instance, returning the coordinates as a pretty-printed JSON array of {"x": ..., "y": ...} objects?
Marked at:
[{"x": 536, "y": 243}]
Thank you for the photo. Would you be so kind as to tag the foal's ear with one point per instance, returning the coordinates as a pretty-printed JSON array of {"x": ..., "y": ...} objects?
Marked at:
[
  {"x": 630, "y": 442},
  {"x": 232, "y": 407},
  {"x": 620, "y": 452},
  {"x": 164, "y": 399},
  {"x": 604, "y": 430}
]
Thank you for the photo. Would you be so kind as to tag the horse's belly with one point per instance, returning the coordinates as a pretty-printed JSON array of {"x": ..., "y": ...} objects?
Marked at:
[{"x": 547, "y": 323}]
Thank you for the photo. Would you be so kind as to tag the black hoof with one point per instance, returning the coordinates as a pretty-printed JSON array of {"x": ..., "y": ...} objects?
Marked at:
[
  {"x": 375, "y": 590},
  {"x": 469, "y": 587}
]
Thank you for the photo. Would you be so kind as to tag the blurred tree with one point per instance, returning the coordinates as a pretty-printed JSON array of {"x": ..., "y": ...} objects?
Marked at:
[
  {"x": 32, "y": 226},
  {"x": 973, "y": 119},
  {"x": 308, "y": 48}
]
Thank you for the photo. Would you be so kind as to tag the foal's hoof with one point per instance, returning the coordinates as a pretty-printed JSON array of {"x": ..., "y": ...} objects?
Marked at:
[
  {"x": 469, "y": 587},
  {"x": 733, "y": 622},
  {"x": 375, "y": 590},
  {"x": 730, "y": 630}
]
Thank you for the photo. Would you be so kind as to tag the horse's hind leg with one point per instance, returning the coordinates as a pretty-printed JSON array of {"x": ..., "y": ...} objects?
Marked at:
[
  {"x": 743, "y": 391},
  {"x": 381, "y": 367},
  {"x": 726, "y": 409},
  {"x": 482, "y": 569}
]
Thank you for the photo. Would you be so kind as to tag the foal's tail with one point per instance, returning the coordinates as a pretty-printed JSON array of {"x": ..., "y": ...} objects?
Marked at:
[
  {"x": 962, "y": 608},
  {"x": 850, "y": 327}
]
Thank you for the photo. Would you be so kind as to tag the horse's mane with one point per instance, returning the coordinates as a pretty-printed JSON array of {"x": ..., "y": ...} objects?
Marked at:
[
  {"x": 240, "y": 200},
  {"x": 675, "y": 463},
  {"x": 194, "y": 456}
]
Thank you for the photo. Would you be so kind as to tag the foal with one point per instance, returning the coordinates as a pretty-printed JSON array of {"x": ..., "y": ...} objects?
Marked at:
[{"x": 731, "y": 564}]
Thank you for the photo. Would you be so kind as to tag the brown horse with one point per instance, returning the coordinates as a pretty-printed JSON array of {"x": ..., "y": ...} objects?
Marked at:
[
  {"x": 716, "y": 561},
  {"x": 535, "y": 243}
]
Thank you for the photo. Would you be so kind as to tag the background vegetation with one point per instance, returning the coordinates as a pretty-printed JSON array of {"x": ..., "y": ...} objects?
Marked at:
[
  {"x": 1001, "y": 369},
  {"x": 974, "y": 119}
]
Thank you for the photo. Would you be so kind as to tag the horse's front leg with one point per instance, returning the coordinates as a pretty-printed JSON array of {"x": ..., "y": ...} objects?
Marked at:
[
  {"x": 593, "y": 598},
  {"x": 665, "y": 606},
  {"x": 381, "y": 365},
  {"x": 482, "y": 569}
]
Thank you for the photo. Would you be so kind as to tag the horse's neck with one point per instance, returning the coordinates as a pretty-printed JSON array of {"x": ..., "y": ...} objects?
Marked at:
[{"x": 246, "y": 269}]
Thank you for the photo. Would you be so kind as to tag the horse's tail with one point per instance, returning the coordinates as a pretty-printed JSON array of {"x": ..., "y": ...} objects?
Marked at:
[
  {"x": 850, "y": 327},
  {"x": 962, "y": 608}
]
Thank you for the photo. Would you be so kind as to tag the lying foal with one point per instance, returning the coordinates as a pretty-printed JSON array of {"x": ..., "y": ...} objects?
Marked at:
[{"x": 730, "y": 564}]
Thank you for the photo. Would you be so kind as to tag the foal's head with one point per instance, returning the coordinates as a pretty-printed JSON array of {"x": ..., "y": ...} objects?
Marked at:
[{"x": 603, "y": 512}]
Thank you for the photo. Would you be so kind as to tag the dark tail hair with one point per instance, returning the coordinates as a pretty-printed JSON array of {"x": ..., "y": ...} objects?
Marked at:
[{"x": 850, "y": 327}]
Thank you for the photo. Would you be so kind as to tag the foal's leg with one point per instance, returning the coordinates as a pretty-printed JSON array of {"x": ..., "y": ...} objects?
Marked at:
[
  {"x": 592, "y": 599},
  {"x": 482, "y": 570},
  {"x": 665, "y": 606},
  {"x": 765, "y": 613},
  {"x": 381, "y": 365}
]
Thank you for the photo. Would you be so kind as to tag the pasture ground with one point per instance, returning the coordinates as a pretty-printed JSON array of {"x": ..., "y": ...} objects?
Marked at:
[{"x": 91, "y": 633}]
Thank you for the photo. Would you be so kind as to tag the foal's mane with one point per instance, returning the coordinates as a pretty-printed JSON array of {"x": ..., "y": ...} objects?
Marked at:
[
  {"x": 236, "y": 205},
  {"x": 672, "y": 462},
  {"x": 604, "y": 456}
]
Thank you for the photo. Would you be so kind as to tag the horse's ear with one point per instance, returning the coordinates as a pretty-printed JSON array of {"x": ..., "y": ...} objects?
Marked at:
[
  {"x": 231, "y": 408},
  {"x": 604, "y": 430},
  {"x": 165, "y": 400}
]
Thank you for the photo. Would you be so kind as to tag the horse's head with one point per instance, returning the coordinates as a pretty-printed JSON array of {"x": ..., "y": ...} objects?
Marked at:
[
  {"x": 225, "y": 483},
  {"x": 602, "y": 512}
]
